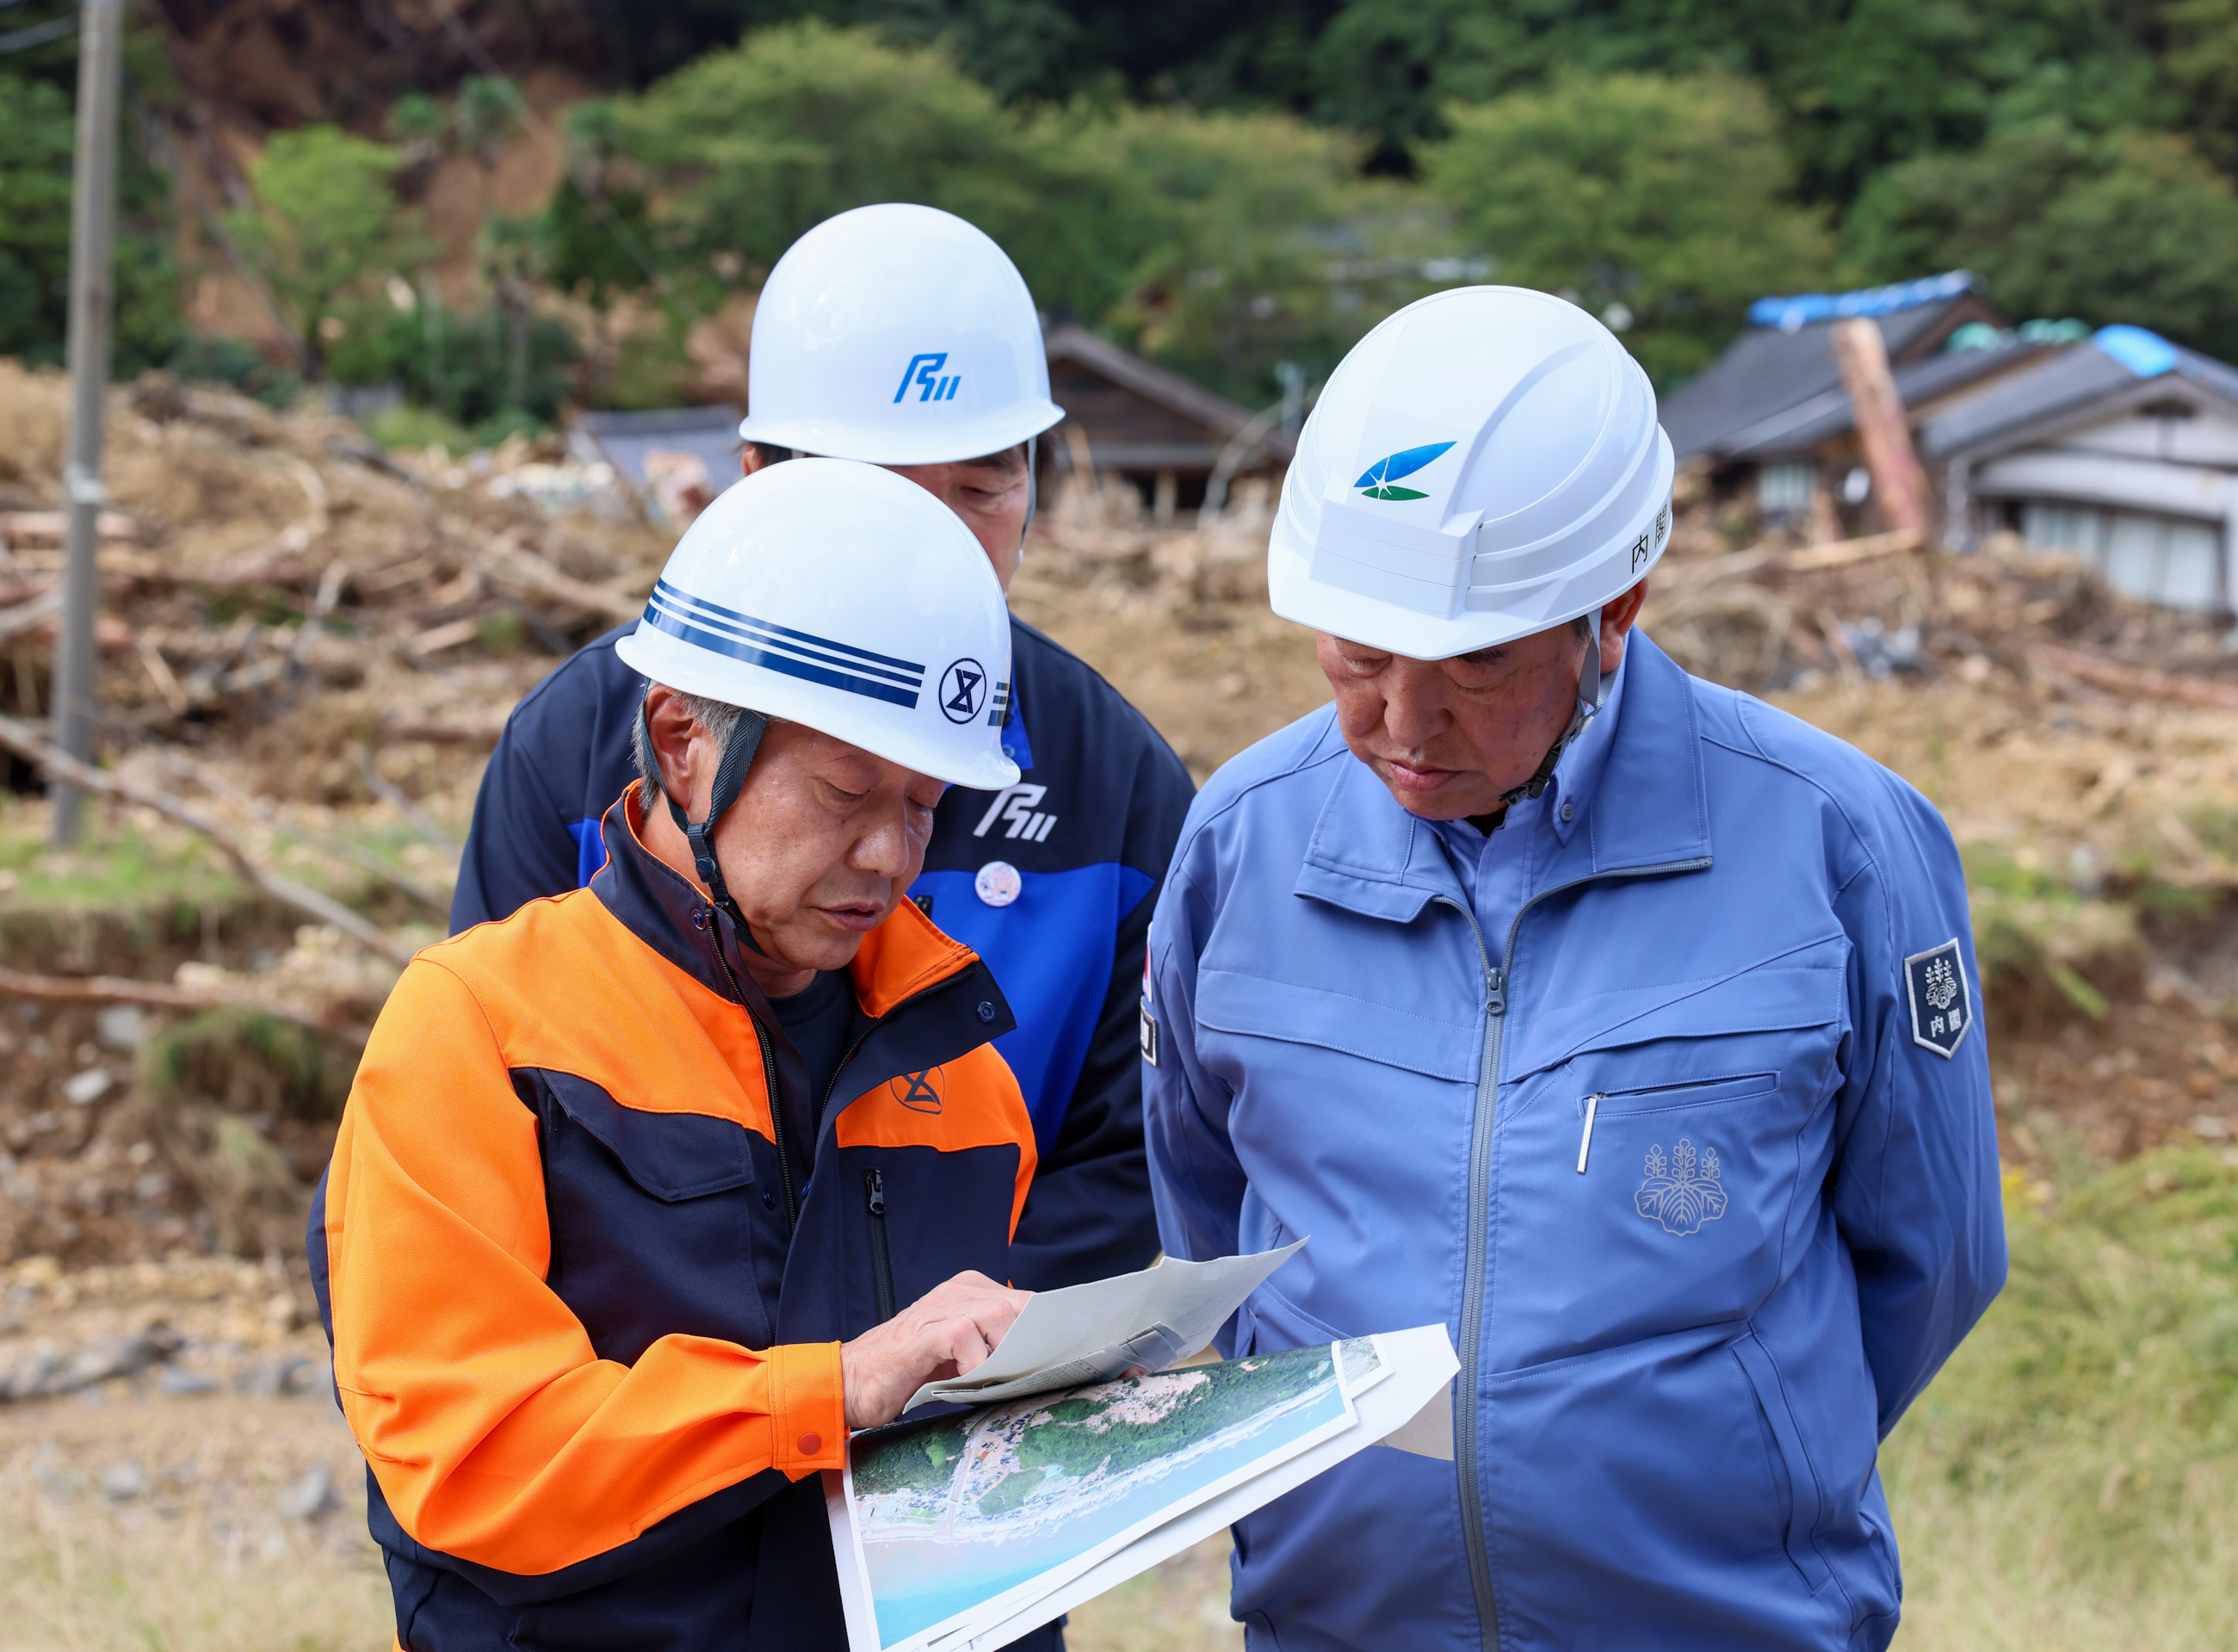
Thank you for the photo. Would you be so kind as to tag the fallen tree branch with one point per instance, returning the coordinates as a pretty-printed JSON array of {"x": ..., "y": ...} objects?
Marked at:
[
  {"x": 500, "y": 557},
  {"x": 389, "y": 793},
  {"x": 2134, "y": 680},
  {"x": 1810, "y": 559},
  {"x": 213, "y": 781},
  {"x": 1843, "y": 552},
  {"x": 28, "y": 616},
  {"x": 18, "y": 738},
  {"x": 159, "y": 995}
]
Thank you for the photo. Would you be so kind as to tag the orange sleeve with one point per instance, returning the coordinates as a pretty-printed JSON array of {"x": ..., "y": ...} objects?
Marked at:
[{"x": 496, "y": 1432}]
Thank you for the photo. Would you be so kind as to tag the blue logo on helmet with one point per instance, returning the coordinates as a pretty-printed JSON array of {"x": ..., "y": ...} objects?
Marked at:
[
  {"x": 923, "y": 374},
  {"x": 1375, "y": 481}
]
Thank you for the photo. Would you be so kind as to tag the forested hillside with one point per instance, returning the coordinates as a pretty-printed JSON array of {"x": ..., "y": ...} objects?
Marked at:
[{"x": 1224, "y": 186}]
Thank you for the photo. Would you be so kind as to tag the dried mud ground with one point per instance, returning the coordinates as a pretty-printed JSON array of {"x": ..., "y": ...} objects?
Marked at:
[{"x": 175, "y": 1476}]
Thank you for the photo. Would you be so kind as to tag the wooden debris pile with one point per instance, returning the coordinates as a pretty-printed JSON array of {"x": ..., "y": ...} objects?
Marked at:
[{"x": 279, "y": 591}]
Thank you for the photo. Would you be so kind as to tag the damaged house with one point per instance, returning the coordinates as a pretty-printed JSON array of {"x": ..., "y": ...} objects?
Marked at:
[{"x": 2116, "y": 444}]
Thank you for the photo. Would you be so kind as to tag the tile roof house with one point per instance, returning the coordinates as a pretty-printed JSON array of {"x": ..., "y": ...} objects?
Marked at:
[
  {"x": 1771, "y": 411},
  {"x": 1124, "y": 417},
  {"x": 2124, "y": 448},
  {"x": 1153, "y": 427},
  {"x": 2118, "y": 445}
]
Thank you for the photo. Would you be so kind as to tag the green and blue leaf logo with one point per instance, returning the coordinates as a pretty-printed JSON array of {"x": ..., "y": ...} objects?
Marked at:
[{"x": 1375, "y": 482}]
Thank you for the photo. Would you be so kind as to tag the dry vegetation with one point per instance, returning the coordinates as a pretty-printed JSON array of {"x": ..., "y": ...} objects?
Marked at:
[{"x": 309, "y": 645}]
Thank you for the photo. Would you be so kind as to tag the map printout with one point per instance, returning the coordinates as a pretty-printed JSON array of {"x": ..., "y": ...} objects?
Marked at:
[{"x": 961, "y": 1521}]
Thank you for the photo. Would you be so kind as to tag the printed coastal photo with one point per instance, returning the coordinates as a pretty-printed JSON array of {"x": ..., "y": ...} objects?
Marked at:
[{"x": 952, "y": 1516}]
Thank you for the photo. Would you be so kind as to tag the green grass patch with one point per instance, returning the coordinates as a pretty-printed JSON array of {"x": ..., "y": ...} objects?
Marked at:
[
  {"x": 416, "y": 426},
  {"x": 2070, "y": 1481},
  {"x": 124, "y": 868},
  {"x": 248, "y": 1064}
]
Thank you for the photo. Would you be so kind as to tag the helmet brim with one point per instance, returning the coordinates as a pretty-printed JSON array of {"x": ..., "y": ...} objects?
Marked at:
[
  {"x": 1524, "y": 610},
  {"x": 944, "y": 444}
]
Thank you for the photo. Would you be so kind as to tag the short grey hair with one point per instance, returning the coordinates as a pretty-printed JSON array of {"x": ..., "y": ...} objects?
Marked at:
[{"x": 719, "y": 718}]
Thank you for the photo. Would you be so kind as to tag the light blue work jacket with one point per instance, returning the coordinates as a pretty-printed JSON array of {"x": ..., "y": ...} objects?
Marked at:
[{"x": 1696, "y": 1161}]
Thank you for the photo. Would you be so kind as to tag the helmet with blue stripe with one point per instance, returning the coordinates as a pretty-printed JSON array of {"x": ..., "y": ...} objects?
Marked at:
[{"x": 849, "y": 600}]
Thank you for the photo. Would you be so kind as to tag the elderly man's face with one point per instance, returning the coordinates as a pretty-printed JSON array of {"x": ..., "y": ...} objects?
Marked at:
[
  {"x": 823, "y": 841},
  {"x": 990, "y": 493},
  {"x": 1449, "y": 736}
]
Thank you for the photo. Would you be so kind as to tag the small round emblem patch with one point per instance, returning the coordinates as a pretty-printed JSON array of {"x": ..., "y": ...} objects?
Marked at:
[
  {"x": 963, "y": 691},
  {"x": 998, "y": 883}
]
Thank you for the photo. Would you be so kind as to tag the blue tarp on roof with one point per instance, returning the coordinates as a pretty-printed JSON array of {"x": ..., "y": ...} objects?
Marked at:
[
  {"x": 1800, "y": 309},
  {"x": 2145, "y": 354},
  {"x": 2069, "y": 381}
]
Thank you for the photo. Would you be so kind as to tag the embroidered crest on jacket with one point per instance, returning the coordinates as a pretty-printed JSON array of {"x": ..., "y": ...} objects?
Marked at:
[
  {"x": 1681, "y": 1191},
  {"x": 1935, "y": 982}
]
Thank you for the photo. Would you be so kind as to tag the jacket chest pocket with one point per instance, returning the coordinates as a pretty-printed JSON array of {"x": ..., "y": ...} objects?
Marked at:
[
  {"x": 1661, "y": 1176},
  {"x": 658, "y": 1220}
]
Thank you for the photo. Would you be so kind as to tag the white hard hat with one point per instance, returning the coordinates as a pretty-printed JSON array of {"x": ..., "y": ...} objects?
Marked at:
[
  {"x": 1484, "y": 465},
  {"x": 898, "y": 336},
  {"x": 847, "y": 599}
]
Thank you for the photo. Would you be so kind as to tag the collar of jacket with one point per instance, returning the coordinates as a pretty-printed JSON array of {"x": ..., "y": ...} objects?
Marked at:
[
  {"x": 899, "y": 960},
  {"x": 1369, "y": 856}
]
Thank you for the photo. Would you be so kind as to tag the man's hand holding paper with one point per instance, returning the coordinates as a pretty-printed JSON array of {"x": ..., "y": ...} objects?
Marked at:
[{"x": 1144, "y": 1321}]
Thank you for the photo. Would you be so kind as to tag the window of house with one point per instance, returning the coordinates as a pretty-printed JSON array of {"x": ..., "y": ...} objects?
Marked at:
[
  {"x": 1786, "y": 485},
  {"x": 2169, "y": 560}
]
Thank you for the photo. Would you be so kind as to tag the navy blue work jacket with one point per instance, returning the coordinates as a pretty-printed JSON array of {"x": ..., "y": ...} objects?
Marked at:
[{"x": 1087, "y": 829}]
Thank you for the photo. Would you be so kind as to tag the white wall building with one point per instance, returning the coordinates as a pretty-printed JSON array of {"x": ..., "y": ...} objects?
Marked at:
[{"x": 2124, "y": 448}]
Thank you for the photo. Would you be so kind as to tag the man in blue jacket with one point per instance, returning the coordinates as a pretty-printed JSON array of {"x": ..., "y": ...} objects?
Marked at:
[
  {"x": 1615, "y": 1019},
  {"x": 903, "y": 337}
]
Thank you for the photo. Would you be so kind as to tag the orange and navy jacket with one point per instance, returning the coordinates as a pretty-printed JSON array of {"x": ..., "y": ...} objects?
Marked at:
[{"x": 586, "y": 1255}]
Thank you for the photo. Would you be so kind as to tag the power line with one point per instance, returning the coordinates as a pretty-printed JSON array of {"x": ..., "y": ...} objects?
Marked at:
[{"x": 38, "y": 34}]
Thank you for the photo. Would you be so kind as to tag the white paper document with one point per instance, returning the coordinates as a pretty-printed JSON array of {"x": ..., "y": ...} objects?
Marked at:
[
  {"x": 964, "y": 1533},
  {"x": 1088, "y": 1333}
]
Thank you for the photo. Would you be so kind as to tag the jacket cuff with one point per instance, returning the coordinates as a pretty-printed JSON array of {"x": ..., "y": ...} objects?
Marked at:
[{"x": 810, "y": 1416}]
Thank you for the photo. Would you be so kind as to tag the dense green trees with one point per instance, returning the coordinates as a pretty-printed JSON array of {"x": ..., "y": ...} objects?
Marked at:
[
  {"x": 1660, "y": 204},
  {"x": 35, "y": 232},
  {"x": 1230, "y": 185},
  {"x": 1223, "y": 242},
  {"x": 2124, "y": 226},
  {"x": 325, "y": 227}
]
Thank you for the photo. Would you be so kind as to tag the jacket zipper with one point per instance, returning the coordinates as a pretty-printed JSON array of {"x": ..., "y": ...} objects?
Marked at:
[
  {"x": 1593, "y": 1105},
  {"x": 777, "y": 1117},
  {"x": 769, "y": 1086},
  {"x": 882, "y": 1263},
  {"x": 1496, "y": 984},
  {"x": 873, "y": 1184}
]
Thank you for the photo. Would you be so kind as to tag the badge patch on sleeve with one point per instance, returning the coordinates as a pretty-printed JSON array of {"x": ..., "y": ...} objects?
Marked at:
[
  {"x": 1942, "y": 1012},
  {"x": 1148, "y": 1036}
]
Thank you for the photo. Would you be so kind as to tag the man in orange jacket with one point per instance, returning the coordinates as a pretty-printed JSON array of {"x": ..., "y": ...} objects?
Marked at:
[{"x": 631, "y": 1183}]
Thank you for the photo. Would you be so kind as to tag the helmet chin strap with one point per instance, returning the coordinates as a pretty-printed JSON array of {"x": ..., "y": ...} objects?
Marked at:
[
  {"x": 1593, "y": 694},
  {"x": 731, "y": 766}
]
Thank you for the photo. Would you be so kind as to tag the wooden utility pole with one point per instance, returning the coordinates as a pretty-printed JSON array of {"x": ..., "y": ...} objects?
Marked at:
[
  {"x": 92, "y": 233},
  {"x": 1898, "y": 482}
]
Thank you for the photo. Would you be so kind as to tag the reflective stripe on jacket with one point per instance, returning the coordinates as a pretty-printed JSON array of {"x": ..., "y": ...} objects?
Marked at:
[
  {"x": 1702, "y": 1214},
  {"x": 1088, "y": 829},
  {"x": 591, "y": 1360}
]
